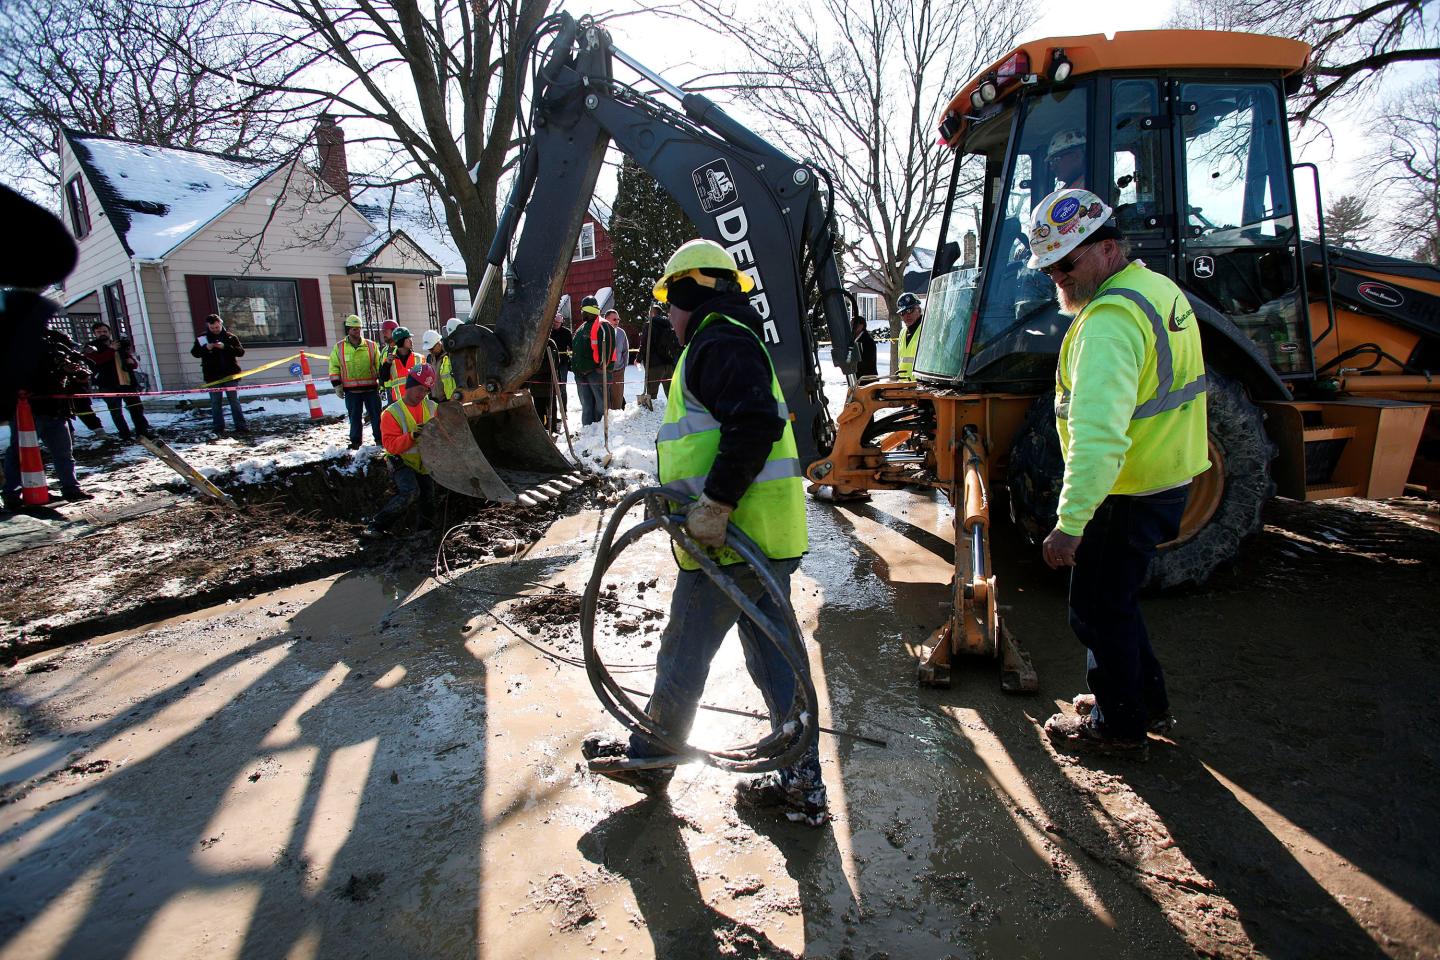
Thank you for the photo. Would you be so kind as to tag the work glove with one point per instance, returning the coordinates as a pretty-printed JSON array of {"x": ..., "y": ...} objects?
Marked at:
[
  {"x": 339, "y": 391},
  {"x": 415, "y": 434},
  {"x": 707, "y": 520}
]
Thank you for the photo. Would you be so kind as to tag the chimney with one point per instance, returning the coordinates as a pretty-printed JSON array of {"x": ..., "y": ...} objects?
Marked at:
[
  {"x": 969, "y": 259},
  {"x": 330, "y": 142}
]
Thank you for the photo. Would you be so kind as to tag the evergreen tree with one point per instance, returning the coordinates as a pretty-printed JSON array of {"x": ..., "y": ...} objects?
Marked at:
[
  {"x": 1348, "y": 223},
  {"x": 646, "y": 225}
]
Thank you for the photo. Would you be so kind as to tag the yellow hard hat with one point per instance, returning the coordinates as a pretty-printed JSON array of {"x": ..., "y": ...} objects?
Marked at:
[
  {"x": 353, "y": 321},
  {"x": 697, "y": 255}
]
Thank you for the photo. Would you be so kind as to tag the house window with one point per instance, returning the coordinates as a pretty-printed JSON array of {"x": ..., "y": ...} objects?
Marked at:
[
  {"x": 116, "y": 315},
  {"x": 462, "y": 302},
  {"x": 868, "y": 304},
  {"x": 585, "y": 246},
  {"x": 259, "y": 311},
  {"x": 79, "y": 207},
  {"x": 375, "y": 303}
]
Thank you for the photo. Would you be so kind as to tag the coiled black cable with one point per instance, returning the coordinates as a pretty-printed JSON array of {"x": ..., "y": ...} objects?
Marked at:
[{"x": 795, "y": 732}]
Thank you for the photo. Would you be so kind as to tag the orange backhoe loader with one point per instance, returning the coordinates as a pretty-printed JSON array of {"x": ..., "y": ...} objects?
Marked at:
[{"x": 1318, "y": 359}]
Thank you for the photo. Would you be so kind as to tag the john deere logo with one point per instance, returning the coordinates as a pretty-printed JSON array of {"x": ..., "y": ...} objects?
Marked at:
[
  {"x": 1382, "y": 294},
  {"x": 1203, "y": 267},
  {"x": 714, "y": 186}
]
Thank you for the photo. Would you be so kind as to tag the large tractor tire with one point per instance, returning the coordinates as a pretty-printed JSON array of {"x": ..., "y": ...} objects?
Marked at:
[{"x": 1224, "y": 504}]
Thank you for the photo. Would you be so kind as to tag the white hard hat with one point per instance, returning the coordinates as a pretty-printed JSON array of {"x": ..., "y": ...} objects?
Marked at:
[
  {"x": 429, "y": 338},
  {"x": 1064, "y": 140},
  {"x": 452, "y": 325},
  {"x": 1061, "y": 221}
]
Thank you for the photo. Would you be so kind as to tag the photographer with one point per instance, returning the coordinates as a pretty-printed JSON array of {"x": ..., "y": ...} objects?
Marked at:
[
  {"x": 115, "y": 369},
  {"x": 218, "y": 351},
  {"x": 60, "y": 371}
]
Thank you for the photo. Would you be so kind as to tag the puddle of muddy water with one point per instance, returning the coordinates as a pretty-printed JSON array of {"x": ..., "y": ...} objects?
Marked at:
[{"x": 273, "y": 760}]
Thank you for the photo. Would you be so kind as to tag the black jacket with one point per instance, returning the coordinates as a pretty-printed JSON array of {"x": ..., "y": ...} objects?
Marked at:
[
  {"x": 728, "y": 371},
  {"x": 114, "y": 364},
  {"x": 659, "y": 347},
  {"x": 868, "y": 364},
  {"x": 215, "y": 364}
]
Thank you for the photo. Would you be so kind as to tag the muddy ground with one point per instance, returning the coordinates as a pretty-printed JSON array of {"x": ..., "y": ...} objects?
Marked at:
[
  {"x": 380, "y": 764},
  {"x": 147, "y": 547}
]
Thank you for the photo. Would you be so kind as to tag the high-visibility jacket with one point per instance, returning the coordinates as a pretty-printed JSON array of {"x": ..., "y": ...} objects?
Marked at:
[
  {"x": 358, "y": 367},
  {"x": 400, "y": 367},
  {"x": 909, "y": 344},
  {"x": 772, "y": 511},
  {"x": 1129, "y": 395},
  {"x": 445, "y": 383},
  {"x": 397, "y": 429}
]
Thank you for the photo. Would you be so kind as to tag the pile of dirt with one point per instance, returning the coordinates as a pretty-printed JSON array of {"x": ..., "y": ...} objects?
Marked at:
[
  {"x": 160, "y": 565},
  {"x": 301, "y": 524}
]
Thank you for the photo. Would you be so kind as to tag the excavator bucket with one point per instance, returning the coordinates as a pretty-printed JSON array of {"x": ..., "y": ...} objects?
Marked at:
[{"x": 485, "y": 455}]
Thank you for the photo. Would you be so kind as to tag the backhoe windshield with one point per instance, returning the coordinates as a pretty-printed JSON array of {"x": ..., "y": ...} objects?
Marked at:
[{"x": 1018, "y": 304}]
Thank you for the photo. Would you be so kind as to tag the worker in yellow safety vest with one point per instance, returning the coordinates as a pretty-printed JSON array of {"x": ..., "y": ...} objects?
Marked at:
[
  {"x": 355, "y": 374},
  {"x": 727, "y": 449},
  {"x": 908, "y": 307},
  {"x": 401, "y": 426},
  {"x": 1130, "y": 413},
  {"x": 436, "y": 356},
  {"x": 387, "y": 339}
]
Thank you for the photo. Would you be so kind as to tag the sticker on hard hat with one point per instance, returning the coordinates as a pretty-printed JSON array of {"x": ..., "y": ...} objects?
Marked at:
[
  {"x": 295, "y": 370},
  {"x": 714, "y": 185},
  {"x": 1064, "y": 211},
  {"x": 1041, "y": 232}
]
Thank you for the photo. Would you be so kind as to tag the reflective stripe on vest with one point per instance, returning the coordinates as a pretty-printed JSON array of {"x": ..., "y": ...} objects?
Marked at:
[
  {"x": 909, "y": 346},
  {"x": 401, "y": 413},
  {"x": 396, "y": 384},
  {"x": 772, "y": 510},
  {"x": 348, "y": 381},
  {"x": 1166, "y": 397}
]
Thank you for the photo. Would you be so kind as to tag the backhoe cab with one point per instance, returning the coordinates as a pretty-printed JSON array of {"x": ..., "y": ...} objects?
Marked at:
[{"x": 1312, "y": 354}]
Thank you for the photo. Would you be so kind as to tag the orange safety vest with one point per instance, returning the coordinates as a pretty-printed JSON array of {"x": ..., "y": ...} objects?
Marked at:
[
  {"x": 595, "y": 342},
  {"x": 399, "y": 369}
]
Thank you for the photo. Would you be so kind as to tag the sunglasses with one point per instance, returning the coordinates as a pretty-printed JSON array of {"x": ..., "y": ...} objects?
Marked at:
[{"x": 1067, "y": 263}]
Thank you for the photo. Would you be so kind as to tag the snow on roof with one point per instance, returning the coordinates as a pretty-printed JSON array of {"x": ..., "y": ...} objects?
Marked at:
[
  {"x": 921, "y": 259},
  {"x": 157, "y": 197},
  {"x": 601, "y": 211},
  {"x": 407, "y": 208},
  {"x": 368, "y": 247}
]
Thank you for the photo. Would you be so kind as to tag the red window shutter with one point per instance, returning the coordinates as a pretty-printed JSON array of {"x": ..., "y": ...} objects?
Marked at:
[
  {"x": 312, "y": 313},
  {"x": 445, "y": 294},
  {"x": 202, "y": 300}
]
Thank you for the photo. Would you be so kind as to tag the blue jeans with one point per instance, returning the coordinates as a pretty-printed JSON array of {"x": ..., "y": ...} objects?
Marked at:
[
  {"x": 592, "y": 397},
  {"x": 54, "y": 433},
  {"x": 700, "y": 617},
  {"x": 217, "y": 412},
  {"x": 409, "y": 487},
  {"x": 1110, "y": 566},
  {"x": 367, "y": 401}
]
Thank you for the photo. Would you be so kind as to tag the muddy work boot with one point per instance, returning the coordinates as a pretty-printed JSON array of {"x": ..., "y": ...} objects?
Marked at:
[
  {"x": 801, "y": 801},
  {"x": 1079, "y": 734},
  {"x": 1084, "y": 704},
  {"x": 604, "y": 755}
]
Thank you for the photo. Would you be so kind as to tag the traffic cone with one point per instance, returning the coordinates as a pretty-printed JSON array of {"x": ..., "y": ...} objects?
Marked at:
[
  {"x": 310, "y": 394},
  {"x": 34, "y": 490}
]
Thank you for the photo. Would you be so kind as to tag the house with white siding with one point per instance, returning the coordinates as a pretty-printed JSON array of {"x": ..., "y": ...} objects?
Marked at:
[{"x": 281, "y": 251}]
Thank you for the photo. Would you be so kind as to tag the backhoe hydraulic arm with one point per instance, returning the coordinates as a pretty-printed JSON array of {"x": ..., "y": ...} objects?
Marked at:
[{"x": 764, "y": 207}]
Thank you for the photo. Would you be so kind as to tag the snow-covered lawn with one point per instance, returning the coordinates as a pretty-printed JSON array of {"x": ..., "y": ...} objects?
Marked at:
[{"x": 283, "y": 436}]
